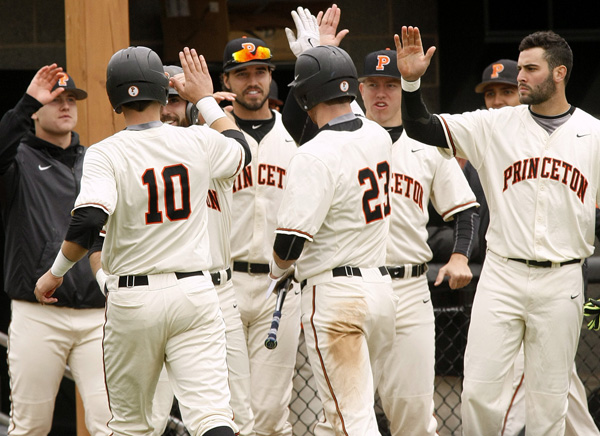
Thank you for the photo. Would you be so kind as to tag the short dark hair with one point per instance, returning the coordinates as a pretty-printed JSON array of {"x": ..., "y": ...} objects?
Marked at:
[
  {"x": 138, "y": 106},
  {"x": 339, "y": 100},
  {"x": 557, "y": 50}
]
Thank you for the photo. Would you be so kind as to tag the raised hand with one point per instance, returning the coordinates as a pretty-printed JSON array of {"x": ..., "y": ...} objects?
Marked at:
[
  {"x": 197, "y": 82},
  {"x": 328, "y": 23},
  {"x": 412, "y": 62},
  {"x": 42, "y": 83},
  {"x": 307, "y": 31}
]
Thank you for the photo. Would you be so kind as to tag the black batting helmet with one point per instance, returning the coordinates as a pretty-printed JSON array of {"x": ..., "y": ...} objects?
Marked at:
[
  {"x": 323, "y": 73},
  {"x": 135, "y": 74}
]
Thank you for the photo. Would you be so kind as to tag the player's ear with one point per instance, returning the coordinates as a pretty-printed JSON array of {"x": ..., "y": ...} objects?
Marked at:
[{"x": 559, "y": 73}]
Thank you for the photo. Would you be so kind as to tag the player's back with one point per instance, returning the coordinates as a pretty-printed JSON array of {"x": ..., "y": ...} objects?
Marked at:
[
  {"x": 349, "y": 172},
  {"x": 157, "y": 206}
]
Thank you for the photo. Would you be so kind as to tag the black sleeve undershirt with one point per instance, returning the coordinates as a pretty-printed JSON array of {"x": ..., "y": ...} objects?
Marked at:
[
  {"x": 239, "y": 137},
  {"x": 288, "y": 247},
  {"x": 419, "y": 123},
  {"x": 85, "y": 226},
  {"x": 466, "y": 225}
]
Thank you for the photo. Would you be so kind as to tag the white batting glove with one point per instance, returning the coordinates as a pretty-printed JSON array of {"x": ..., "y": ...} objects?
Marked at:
[{"x": 307, "y": 30}]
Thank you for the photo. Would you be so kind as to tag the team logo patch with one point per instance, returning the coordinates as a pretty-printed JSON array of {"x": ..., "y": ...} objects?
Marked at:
[
  {"x": 344, "y": 86},
  {"x": 382, "y": 61},
  {"x": 133, "y": 91},
  {"x": 496, "y": 70}
]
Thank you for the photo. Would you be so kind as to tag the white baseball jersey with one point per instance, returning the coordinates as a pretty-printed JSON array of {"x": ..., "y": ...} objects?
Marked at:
[
  {"x": 420, "y": 173},
  {"x": 336, "y": 198},
  {"x": 219, "y": 201},
  {"x": 525, "y": 173},
  {"x": 257, "y": 193},
  {"x": 160, "y": 176}
]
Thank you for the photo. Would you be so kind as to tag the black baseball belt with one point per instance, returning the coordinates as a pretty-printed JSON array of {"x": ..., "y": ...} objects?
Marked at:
[
  {"x": 545, "y": 263},
  {"x": 251, "y": 268},
  {"x": 216, "y": 277},
  {"x": 347, "y": 271},
  {"x": 131, "y": 281},
  {"x": 398, "y": 272}
]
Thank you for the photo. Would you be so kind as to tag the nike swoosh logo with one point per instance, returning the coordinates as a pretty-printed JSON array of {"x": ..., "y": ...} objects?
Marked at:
[
  {"x": 582, "y": 135},
  {"x": 311, "y": 42},
  {"x": 426, "y": 300},
  {"x": 574, "y": 296},
  {"x": 418, "y": 149},
  {"x": 44, "y": 168},
  {"x": 289, "y": 140},
  {"x": 256, "y": 126}
]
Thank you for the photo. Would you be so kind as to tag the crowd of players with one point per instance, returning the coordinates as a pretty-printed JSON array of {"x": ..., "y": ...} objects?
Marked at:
[{"x": 193, "y": 214}]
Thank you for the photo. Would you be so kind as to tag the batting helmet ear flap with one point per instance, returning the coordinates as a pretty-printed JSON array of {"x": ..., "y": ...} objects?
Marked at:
[{"x": 191, "y": 113}]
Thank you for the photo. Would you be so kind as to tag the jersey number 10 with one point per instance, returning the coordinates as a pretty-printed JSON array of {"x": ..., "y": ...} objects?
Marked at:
[
  {"x": 169, "y": 176},
  {"x": 383, "y": 172}
]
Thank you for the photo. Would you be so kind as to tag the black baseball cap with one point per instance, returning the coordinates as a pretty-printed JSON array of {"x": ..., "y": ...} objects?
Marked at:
[
  {"x": 501, "y": 71},
  {"x": 381, "y": 63},
  {"x": 67, "y": 82},
  {"x": 244, "y": 51}
]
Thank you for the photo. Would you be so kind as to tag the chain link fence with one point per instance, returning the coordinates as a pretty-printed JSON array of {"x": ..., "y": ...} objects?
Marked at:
[{"x": 452, "y": 314}]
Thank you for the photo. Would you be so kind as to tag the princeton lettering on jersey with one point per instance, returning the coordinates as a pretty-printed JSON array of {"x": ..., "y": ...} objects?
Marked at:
[
  {"x": 212, "y": 200},
  {"x": 269, "y": 175},
  {"x": 408, "y": 187},
  {"x": 547, "y": 168}
]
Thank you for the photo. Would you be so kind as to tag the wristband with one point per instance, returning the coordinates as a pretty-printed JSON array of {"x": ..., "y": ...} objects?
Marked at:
[
  {"x": 210, "y": 109},
  {"x": 276, "y": 271},
  {"x": 61, "y": 265},
  {"x": 410, "y": 86},
  {"x": 101, "y": 279}
]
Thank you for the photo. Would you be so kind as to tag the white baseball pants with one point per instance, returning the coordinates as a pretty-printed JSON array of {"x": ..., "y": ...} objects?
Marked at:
[
  {"x": 539, "y": 307},
  {"x": 42, "y": 340}
]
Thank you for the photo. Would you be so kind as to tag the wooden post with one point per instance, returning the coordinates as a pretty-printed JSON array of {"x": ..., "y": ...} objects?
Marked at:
[{"x": 95, "y": 29}]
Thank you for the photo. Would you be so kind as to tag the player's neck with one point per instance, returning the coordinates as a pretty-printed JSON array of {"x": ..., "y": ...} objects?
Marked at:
[
  {"x": 151, "y": 113},
  {"x": 322, "y": 113},
  {"x": 264, "y": 113},
  {"x": 555, "y": 105},
  {"x": 62, "y": 140}
]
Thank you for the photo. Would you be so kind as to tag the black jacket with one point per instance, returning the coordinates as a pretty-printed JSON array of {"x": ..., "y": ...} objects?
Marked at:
[{"x": 39, "y": 183}]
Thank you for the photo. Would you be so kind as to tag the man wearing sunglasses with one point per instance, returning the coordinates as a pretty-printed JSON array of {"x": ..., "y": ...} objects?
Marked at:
[{"x": 257, "y": 192}]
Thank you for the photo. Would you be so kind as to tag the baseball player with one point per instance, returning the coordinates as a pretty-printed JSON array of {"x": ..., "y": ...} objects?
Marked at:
[
  {"x": 499, "y": 88},
  {"x": 149, "y": 183},
  {"x": 337, "y": 240},
  {"x": 537, "y": 165},
  {"x": 183, "y": 113},
  {"x": 41, "y": 163},
  {"x": 418, "y": 174},
  {"x": 257, "y": 193}
]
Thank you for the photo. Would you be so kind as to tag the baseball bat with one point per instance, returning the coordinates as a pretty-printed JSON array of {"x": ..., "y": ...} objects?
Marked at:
[{"x": 271, "y": 341}]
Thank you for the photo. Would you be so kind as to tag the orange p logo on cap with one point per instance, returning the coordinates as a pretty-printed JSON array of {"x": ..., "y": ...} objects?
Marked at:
[
  {"x": 382, "y": 61},
  {"x": 496, "y": 70}
]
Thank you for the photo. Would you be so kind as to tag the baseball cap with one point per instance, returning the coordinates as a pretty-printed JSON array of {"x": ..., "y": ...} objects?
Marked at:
[
  {"x": 170, "y": 71},
  {"x": 67, "y": 82},
  {"x": 381, "y": 63},
  {"x": 244, "y": 51},
  {"x": 501, "y": 71}
]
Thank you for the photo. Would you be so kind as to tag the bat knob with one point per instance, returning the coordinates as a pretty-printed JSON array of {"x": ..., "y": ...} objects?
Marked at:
[{"x": 270, "y": 343}]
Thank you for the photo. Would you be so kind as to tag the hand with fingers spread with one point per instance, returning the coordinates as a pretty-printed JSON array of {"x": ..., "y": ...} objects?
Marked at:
[
  {"x": 42, "y": 83},
  {"x": 307, "y": 31},
  {"x": 197, "y": 82},
  {"x": 412, "y": 61},
  {"x": 328, "y": 24}
]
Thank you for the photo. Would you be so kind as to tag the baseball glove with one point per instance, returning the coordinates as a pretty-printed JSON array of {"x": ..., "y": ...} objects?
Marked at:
[{"x": 591, "y": 309}]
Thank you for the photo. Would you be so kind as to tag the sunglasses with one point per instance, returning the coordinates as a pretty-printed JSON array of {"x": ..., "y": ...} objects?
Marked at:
[{"x": 245, "y": 55}]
